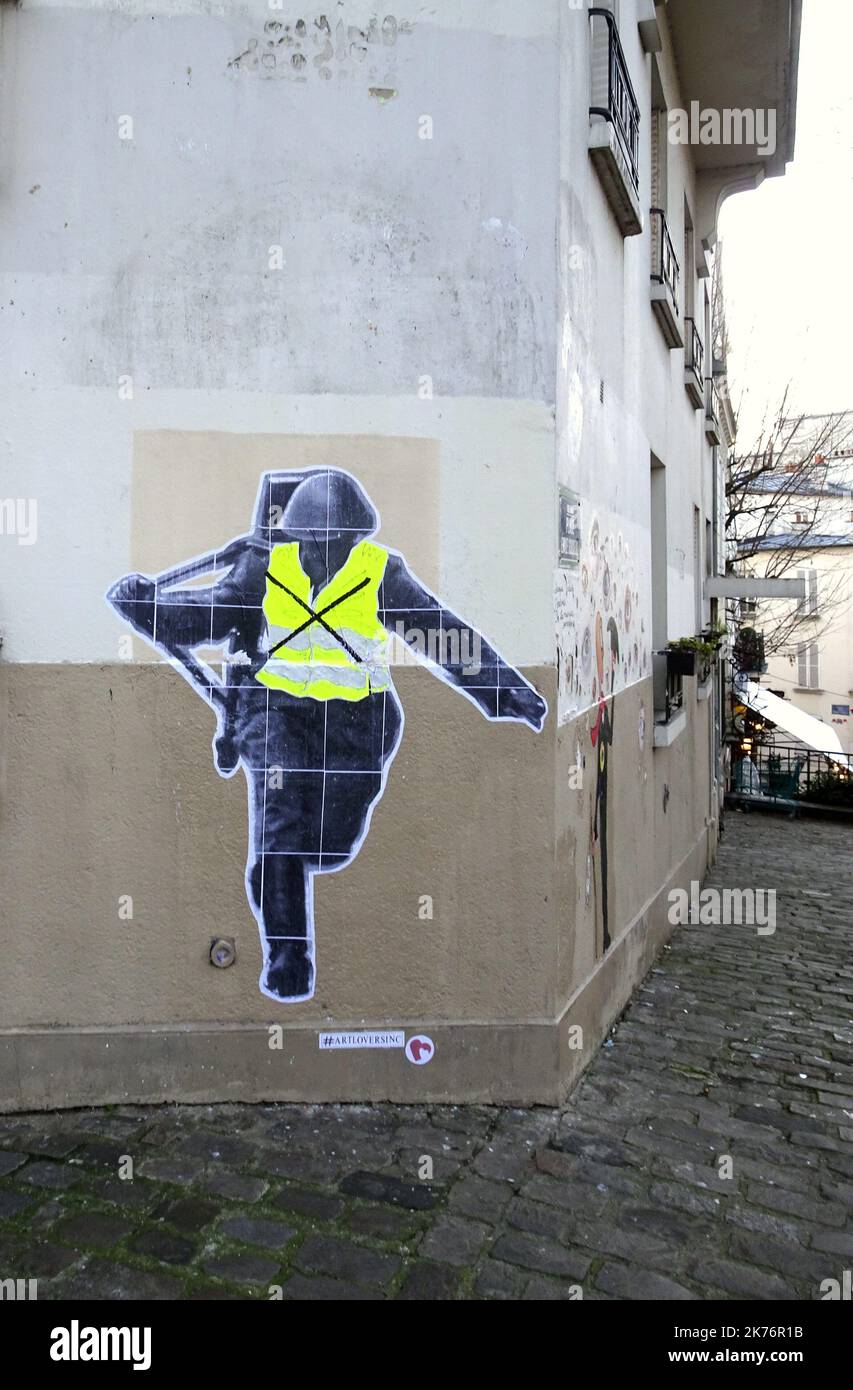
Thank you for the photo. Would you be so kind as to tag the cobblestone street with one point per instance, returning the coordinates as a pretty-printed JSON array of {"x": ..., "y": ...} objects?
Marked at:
[{"x": 737, "y": 1044}]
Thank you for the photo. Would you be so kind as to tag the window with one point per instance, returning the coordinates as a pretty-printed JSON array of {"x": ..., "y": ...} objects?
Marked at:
[
  {"x": 801, "y": 519},
  {"x": 748, "y": 608},
  {"x": 697, "y": 570},
  {"x": 808, "y": 666},
  {"x": 667, "y": 691},
  {"x": 689, "y": 263},
  {"x": 660, "y": 614},
  {"x": 709, "y": 552}
]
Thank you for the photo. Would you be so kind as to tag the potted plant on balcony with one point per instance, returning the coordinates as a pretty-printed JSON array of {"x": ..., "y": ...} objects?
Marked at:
[
  {"x": 715, "y": 634},
  {"x": 686, "y": 655}
]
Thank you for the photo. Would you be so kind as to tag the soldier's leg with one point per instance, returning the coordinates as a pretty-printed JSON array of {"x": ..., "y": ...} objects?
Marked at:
[
  {"x": 282, "y": 887},
  {"x": 287, "y": 835},
  {"x": 283, "y": 807}
]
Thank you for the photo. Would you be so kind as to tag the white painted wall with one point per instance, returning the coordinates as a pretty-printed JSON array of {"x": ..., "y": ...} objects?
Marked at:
[
  {"x": 609, "y": 335},
  {"x": 149, "y": 258},
  {"x": 485, "y": 258}
]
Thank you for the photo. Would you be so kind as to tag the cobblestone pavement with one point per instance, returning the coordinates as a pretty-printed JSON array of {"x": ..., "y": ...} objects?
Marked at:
[{"x": 736, "y": 1044}]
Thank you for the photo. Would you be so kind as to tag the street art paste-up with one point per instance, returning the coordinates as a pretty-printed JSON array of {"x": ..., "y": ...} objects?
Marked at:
[
  {"x": 601, "y": 737},
  {"x": 609, "y": 581},
  {"x": 304, "y": 605},
  {"x": 602, "y": 591}
]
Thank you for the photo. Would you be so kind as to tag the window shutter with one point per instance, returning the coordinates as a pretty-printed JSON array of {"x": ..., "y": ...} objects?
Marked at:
[
  {"x": 814, "y": 667},
  {"x": 812, "y": 591},
  {"x": 802, "y": 665}
]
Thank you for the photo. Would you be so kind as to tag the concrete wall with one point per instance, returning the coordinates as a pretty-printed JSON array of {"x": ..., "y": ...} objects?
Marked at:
[{"x": 272, "y": 269}]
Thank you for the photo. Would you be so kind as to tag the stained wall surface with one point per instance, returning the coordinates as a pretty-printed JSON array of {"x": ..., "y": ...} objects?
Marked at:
[{"x": 261, "y": 242}]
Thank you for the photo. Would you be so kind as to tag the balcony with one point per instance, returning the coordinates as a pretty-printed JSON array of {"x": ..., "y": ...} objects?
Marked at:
[
  {"x": 743, "y": 57},
  {"x": 694, "y": 357},
  {"x": 713, "y": 429},
  {"x": 614, "y": 137},
  {"x": 666, "y": 274}
]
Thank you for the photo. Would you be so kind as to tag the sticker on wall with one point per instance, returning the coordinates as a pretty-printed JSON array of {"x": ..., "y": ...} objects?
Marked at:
[
  {"x": 304, "y": 607},
  {"x": 351, "y": 1042},
  {"x": 420, "y": 1050},
  {"x": 569, "y": 531}
]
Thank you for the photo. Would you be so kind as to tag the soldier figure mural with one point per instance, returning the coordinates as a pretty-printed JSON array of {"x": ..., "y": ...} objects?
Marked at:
[{"x": 304, "y": 605}]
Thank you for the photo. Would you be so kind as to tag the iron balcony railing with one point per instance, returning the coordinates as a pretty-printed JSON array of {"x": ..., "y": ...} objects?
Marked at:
[
  {"x": 622, "y": 109},
  {"x": 694, "y": 351},
  {"x": 665, "y": 267},
  {"x": 790, "y": 772}
]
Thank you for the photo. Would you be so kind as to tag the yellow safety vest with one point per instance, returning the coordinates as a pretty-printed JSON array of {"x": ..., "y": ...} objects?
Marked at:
[{"x": 316, "y": 662}]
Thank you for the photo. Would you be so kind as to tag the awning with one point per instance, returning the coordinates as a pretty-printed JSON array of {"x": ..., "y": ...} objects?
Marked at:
[{"x": 792, "y": 719}]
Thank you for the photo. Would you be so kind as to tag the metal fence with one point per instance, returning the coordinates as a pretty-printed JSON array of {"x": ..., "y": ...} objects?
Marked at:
[{"x": 790, "y": 772}]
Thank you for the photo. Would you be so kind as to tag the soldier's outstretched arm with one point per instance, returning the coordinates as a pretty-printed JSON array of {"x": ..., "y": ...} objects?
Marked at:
[
  {"x": 455, "y": 651},
  {"x": 175, "y": 619}
]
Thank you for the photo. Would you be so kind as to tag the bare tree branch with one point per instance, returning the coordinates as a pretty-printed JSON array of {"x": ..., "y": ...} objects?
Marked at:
[{"x": 790, "y": 467}]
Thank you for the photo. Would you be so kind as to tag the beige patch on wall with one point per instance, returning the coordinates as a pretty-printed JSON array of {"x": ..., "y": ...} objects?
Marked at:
[{"x": 195, "y": 490}]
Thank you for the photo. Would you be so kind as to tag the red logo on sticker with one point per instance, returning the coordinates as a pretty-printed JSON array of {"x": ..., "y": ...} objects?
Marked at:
[{"x": 420, "y": 1050}]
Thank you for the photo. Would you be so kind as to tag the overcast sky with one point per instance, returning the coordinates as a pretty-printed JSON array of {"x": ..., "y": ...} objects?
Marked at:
[{"x": 788, "y": 246}]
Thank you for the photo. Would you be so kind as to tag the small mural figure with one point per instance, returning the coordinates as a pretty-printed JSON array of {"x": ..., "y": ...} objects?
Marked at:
[
  {"x": 304, "y": 605},
  {"x": 602, "y": 738}
]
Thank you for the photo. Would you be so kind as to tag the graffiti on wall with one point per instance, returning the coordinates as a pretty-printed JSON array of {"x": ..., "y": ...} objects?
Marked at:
[
  {"x": 304, "y": 607},
  {"x": 316, "y": 47},
  {"x": 606, "y": 584},
  {"x": 602, "y": 647}
]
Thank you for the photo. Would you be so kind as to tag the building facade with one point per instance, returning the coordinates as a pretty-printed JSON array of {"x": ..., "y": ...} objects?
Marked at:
[
  {"x": 813, "y": 666},
  {"x": 451, "y": 265},
  {"x": 793, "y": 521}
]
